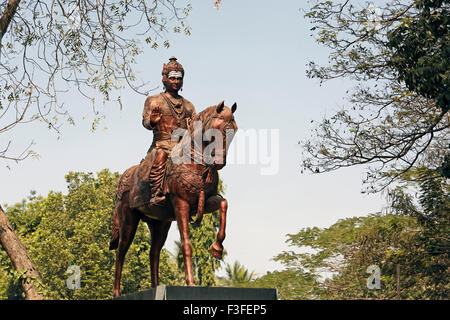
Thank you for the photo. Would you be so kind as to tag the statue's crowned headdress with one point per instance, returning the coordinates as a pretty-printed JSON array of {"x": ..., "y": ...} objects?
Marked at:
[{"x": 172, "y": 69}]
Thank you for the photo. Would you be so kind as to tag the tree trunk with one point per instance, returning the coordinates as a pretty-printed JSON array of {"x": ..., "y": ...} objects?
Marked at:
[{"x": 19, "y": 258}]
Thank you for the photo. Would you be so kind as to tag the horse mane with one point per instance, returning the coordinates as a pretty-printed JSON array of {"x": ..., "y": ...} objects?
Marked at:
[{"x": 205, "y": 114}]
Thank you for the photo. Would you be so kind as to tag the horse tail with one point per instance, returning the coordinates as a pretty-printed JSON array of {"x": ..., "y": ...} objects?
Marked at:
[
  {"x": 200, "y": 208},
  {"x": 114, "y": 242}
]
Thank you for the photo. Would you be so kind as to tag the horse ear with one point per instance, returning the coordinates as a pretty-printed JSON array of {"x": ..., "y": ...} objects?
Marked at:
[
  {"x": 233, "y": 107},
  {"x": 220, "y": 106}
]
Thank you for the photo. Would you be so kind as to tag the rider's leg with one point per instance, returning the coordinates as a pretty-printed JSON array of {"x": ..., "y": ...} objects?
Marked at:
[{"x": 156, "y": 176}]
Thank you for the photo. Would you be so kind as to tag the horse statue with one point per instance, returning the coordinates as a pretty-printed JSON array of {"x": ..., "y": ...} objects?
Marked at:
[{"x": 190, "y": 186}]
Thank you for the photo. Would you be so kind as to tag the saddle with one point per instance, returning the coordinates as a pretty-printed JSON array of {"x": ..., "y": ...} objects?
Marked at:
[
  {"x": 140, "y": 192},
  {"x": 135, "y": 181}
]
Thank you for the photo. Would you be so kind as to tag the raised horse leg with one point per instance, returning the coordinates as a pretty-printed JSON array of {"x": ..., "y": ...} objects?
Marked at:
[
  {"x": 128, "y": 222},
  {"x": 181, "y": 208},
  {"x": 159, "y": 230},
  {"x": 212, "y": 204}
]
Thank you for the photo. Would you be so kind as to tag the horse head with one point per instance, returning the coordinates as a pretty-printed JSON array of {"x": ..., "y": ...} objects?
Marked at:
[{"x": 218, "y": 129}]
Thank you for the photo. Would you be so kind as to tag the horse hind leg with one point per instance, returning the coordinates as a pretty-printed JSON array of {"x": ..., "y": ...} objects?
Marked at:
[
  {"x": 128, "y": 222},
  {"x": 158, "y": 230}
]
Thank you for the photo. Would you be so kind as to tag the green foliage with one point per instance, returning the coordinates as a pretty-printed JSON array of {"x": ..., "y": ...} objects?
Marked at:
[
  {"x": 237, "y": 274},
  {"x": 332, "y": 263},
  {"x": 444, "y": 168},
  {"x": 74, "y": 229},
  {"x": 431, "y": 210},
  {"x": 291, "y": 284},
  {"x": 421, "y": 51}
]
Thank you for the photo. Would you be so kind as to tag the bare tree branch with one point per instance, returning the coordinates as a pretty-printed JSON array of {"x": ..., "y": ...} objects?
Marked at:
[
  {"x": 383, "y": 126},
  {"x": 90, "y": 46}
]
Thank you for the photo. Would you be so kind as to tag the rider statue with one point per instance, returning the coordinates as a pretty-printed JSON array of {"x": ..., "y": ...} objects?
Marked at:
[{"x": 163, "y": 113}]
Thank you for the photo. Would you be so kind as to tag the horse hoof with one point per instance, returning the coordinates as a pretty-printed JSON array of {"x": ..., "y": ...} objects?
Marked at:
[{"x": 216, "y": 250}]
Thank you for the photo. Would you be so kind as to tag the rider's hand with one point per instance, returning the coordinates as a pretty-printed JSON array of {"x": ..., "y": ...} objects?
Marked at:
[{"x": 155, "y": 115}]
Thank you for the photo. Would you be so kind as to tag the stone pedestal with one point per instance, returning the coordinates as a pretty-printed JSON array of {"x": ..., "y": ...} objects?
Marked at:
[{"x": 201, "y": 293}]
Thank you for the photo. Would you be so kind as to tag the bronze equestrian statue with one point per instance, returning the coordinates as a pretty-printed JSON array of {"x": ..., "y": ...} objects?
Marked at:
[
  {"x": 163, "y": 189},
  {"x": 163, "y": 113}
]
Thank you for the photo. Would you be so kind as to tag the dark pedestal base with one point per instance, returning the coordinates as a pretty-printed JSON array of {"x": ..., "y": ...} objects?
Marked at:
[{"x": 201, "y": 293}]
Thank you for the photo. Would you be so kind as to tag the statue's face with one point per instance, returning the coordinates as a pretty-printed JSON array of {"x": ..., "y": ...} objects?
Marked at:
[{"x": 173, "y": 84}]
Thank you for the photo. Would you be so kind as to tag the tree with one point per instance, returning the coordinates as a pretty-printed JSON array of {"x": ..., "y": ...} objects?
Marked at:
[
  {"x": 420, "y": 51},
  {"x": 396, "y": 123},
  {"x": 60, "y": 231},
  {"x": 22, "y": 263},
  {"x": 291, "y": 284},
  {"x": 237, "y": 274},
  {"x": 336, "y": 262},
  {"x": 47, "y": 48},
  {"x": 430, "y": 206},
  {"x": 397, "y": 116}
]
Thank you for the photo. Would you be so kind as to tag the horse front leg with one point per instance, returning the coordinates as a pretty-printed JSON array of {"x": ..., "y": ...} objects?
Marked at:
[
  {"x": 212, "y": 204},
  {"x": 182, "y": 214}
]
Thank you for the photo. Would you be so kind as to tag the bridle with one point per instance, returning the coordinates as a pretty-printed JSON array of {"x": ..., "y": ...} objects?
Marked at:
[{"x": 206, "y": 125}]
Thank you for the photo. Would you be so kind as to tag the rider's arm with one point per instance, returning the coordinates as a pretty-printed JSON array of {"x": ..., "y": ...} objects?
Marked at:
[{"x": 149, "y": 106}]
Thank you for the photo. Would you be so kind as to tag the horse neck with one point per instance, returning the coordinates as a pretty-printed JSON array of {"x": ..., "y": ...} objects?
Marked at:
[
  {"x": 193, "y": 139},
  {"x": 192, "y": 147}
]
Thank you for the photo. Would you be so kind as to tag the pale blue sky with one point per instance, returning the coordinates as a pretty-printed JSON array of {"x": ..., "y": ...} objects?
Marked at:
[{"x": 250, "y": 52}]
